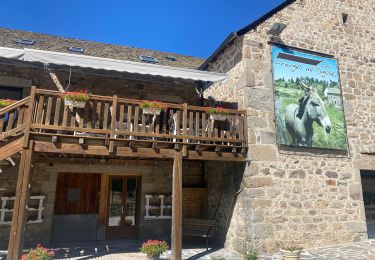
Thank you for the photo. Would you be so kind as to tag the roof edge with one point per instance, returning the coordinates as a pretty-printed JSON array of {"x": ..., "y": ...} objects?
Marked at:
[{"x": 232, "y": 36}]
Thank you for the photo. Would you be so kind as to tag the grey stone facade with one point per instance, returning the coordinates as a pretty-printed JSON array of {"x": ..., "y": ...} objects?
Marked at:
[{"x": 310, "y": 196}]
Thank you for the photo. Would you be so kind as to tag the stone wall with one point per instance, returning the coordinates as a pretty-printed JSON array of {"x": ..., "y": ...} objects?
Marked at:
[{"x": 305, "y": 195}]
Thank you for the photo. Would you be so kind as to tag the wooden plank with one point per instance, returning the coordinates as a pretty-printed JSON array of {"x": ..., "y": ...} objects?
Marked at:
[
  {"x": 98, "y": 114},
  {"x": 178, "y": 123},
  {"x": 102, "y": 217},
  {"x": 48, "y": 111},
  {"x": 191, "y": 123},
  {"x": 164, "y": 122},
  {"x": 177, "y": 207},
  {"x": 113, "y": 123},
  {"x": 143, "y": 126},
  {"x": 57, "y": 111},
  {"x": 121, "y": 118},
  {"x": 204, "y": 124},
  {"x": 105, "y": 118},
  {"x": 1, "y": 123},
  {"x": 20, "y": 204},
  {"x": 73, "y": 116},
  {"x": 29, "y": 115},
  {"x": 39, "y": 112},
  {"x": 129, "y": 118},
  {"x": 10, "y": 121},
  {"x": 136, "y": 116},
  {"x": 197, "y": 127},
  {"x": 65, "y": 116}
]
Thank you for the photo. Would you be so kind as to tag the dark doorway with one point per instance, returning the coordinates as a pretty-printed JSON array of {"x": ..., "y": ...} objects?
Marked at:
[
  {"x": 76, "y": 207},
  {"x": 368, "y": 189},
  {"x": 11, "y": 93}
]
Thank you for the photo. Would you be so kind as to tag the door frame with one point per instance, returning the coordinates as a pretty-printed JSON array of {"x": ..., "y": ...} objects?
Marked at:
[{"x": 102, "y": 233}]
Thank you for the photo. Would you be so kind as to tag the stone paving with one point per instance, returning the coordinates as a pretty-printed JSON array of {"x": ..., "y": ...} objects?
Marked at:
[{"x": 116, "y": 251}]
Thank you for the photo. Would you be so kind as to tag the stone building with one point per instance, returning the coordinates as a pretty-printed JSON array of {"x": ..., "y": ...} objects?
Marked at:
[{"x": 277, "y": 193}]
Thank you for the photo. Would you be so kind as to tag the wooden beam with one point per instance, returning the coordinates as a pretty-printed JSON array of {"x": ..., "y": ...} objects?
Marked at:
[
  {"x": 177, "y": 207},
  {"x": 20, "y": 204},
  {"x": 29, "y": 117},
  {"x": 102, "y": 217}
]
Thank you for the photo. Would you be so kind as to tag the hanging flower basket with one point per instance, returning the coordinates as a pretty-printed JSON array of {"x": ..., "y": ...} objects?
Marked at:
[
  {"x": 218, "y": 113},
  {"x": 76, "y": 98},
  {"x": 6, "y": 102},
  {"x": 153, "y": 107}
]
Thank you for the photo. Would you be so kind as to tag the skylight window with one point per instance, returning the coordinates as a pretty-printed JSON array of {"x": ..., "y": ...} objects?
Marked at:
[
  {"x": 76, "y": 49},
  {"x": 148, "y": 59},
  {"x": 25, "y": 41},
  {"x": 171, "y": 58}
]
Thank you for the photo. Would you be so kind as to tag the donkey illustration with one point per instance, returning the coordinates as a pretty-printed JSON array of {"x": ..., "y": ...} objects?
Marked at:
[{"x": 299, "y": 119}]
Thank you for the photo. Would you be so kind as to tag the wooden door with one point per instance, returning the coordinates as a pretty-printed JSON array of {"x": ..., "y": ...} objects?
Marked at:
[{"x": 123, "y": 207}]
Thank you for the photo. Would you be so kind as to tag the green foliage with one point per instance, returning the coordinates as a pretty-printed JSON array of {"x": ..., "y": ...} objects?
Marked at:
[
  {"x": 217, "y": 111},
  {"x": 153, "y": 105},
  {"x": 6, "y": 102},
  {"x": 154, "y": 248},
  {"x": 38, "y": 253},
  {"x": 217, "y": 258},
  {"x": 78, "y": 96},
  {"x": 252, "y": 255}
]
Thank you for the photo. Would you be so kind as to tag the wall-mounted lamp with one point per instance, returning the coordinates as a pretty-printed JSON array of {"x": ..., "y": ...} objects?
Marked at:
[{"x": 276, "y": 29}]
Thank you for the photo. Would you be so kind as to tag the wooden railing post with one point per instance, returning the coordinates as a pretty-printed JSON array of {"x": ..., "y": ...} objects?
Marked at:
[
  {"x": 20, "y": 204},
  {"x": 29, "y": 117},
  {"x": 177, "y": 207},
  {"x": 113, "y": 123},
  {"x": 184, "y": 129}
]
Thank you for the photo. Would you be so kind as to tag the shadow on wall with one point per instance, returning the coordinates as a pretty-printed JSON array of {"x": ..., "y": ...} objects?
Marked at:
[{"x": 224, "y": 181}]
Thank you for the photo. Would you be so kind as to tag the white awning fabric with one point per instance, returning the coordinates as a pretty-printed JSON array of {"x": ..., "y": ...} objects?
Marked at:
[{"x": 83, "y": 61}]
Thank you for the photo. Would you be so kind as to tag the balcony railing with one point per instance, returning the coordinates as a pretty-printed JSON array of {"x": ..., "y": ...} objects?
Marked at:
[{"x": 115, "y": 118}]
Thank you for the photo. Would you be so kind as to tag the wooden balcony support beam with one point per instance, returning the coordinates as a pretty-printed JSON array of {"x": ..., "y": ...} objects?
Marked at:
[{"x": 177, "y": 207}]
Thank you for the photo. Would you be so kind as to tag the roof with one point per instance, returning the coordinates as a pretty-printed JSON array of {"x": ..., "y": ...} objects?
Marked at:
[
  {"x": 98, "y": 63},
  {"x": 232, "y": 36},
  {"x": 47, "y": 42}
]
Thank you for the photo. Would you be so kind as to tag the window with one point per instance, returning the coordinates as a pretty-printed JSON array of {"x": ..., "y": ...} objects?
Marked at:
[
  {"x": 25, "y": 41},
  {"x": 76, "y": 49},
  {"x": 171, "y": 58},
  {"x": 13, "y": 93},
  {"x": 344, "y": 18},
  {"x": 148, "y": 59}
]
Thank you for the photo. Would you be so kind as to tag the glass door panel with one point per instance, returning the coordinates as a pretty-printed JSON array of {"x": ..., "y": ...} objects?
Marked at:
[
  {"x": 131, "y": 201},
  {"x": 116, "y": 202}
]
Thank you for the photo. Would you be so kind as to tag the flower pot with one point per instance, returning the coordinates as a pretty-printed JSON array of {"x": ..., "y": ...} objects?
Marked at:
[
  {"x": 155, "y": 257},
  {"x": 290, "y": 255},
  {"x": 218, "y": 117},
  {"x": 73, "y": 103},
  {"x": 151, "y": 111}
]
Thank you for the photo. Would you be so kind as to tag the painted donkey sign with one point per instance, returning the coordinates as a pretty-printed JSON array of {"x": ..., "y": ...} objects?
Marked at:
[{"x": 308, "y": 104}]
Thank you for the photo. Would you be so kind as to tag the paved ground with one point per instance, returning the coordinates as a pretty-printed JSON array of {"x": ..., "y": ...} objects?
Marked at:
[{"x": 123, "y": 251}]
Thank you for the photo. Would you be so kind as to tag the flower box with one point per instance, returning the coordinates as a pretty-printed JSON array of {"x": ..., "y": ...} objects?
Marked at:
[
  {"x": 153, "y": 107},
  {"x": 290, "y": 255},
  {"x": 76, "y": 98},
  {"x": 73, "y": 103},
  {"x": 217, "y": 113},
  {"x": 151, "y": 111},
  {"x": 218, "y": 117}
]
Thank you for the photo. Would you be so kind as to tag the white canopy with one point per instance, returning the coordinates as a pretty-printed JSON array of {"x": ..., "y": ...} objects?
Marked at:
[{"x": 76, "y": 60}]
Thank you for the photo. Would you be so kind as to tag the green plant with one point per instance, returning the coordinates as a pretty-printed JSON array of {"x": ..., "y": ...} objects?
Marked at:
[
  {"x": 78, "y": 96},
  {"x": 38, "y": 253},
  {"x": 217, "y": 111},
  {"x": 217, "y": 258},
  {"x": 153, "y": 105},
  {"x": 154, "y": 248},
  {"x": 251, "y": 255},
  {"x": 6, "y": 102},
  {"x": 291, "y": 247}
]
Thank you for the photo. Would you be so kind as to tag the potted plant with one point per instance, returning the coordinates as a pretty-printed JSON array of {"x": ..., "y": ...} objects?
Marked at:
[
  {"x": 153, "y": 107},
  {"x": 218, "y": 113},
  {"x": 76, "y": 98},
  {"x": 154, "y": 248},
  {"x": 291, "y": 251},
  {"x": 6, "y": 102},
  {"x": 38, "y": 253}
]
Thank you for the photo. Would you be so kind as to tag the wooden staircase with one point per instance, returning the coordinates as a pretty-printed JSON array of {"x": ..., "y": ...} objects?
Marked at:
[{"x": 12, "y": 121}]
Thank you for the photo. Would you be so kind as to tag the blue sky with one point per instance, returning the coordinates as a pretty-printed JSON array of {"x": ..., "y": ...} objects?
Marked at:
[
  {"x": 190, "y": 27},
  {"x": 325, "y": 70}
]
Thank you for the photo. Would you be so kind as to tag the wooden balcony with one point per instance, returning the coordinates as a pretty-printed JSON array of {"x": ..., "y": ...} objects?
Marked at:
[{"x": 114, "y": 126}]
